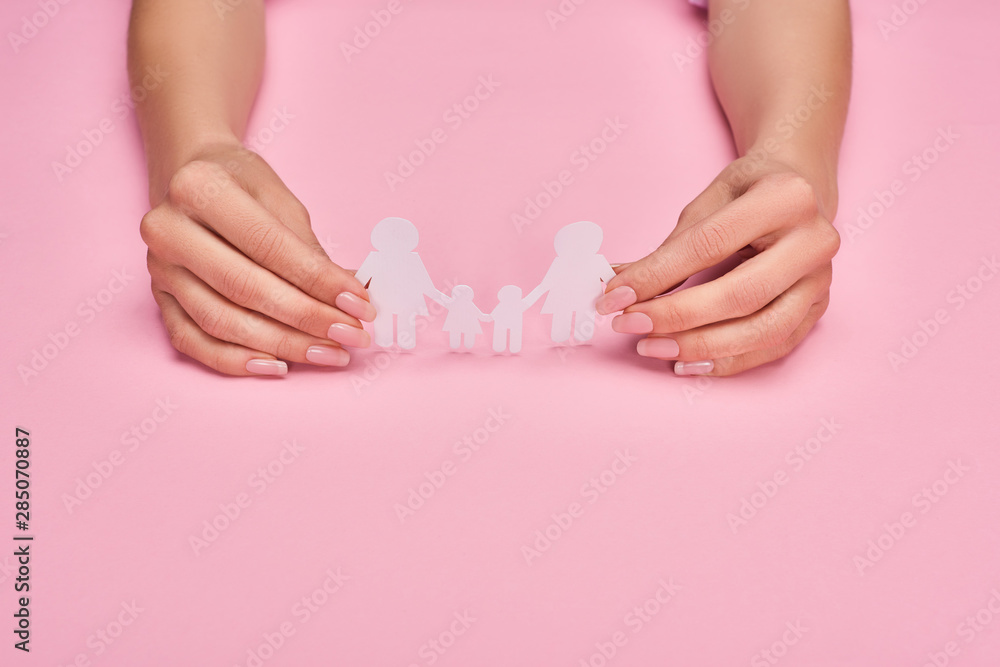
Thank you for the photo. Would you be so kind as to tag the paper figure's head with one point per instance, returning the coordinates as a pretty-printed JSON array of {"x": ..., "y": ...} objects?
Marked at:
[
  {"x": 461, "y": 293},
  {"x": 579, "y": 239},
  {"x": 395, "y": 234},
  {"x": 509, "y": 293}
]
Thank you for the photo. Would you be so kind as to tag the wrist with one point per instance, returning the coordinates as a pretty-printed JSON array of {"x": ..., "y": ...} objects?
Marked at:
[
  {"x": 817, "y": 164},
  {"x": 165, "y": 155}
]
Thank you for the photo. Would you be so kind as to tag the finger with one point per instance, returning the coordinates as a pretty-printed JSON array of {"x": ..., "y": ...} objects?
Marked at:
[
  {"x": 618, "y": 268},
  {"x": 768, "y": 205},
  {"x": 717, "y": 194},
  {"x": 264, "y": 185},
  {"x": 737, "y": 364},
  {"x": 623, "y": 296},
  {"x": 241, "y": 281},
  {"x": 711, "y": 199},
  {"x": 189, "y": 339},
  {"x": 763, "y": 329},
  {"x": 228, "y": 322},
  {"x": 240, "y": 219},
  {"x": 745, "y": 289}
]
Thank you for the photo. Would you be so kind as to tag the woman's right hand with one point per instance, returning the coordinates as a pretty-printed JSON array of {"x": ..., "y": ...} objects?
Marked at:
[{"x": 241, "y": 280}]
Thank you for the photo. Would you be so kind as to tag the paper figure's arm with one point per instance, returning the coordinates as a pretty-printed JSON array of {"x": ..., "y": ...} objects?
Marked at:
[
  {"x": 543, "y": 287},
  {"x": 437, "y": 295},
  {"x": 533, "y": 296},
  {"x": 427, "y": 286}
]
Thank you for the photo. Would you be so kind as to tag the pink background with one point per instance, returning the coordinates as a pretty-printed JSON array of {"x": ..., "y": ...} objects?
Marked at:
[{"x": 700, "y": 447}]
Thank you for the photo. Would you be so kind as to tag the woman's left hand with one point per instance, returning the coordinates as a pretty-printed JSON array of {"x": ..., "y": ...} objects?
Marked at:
[{"x": 770, "y": 214}]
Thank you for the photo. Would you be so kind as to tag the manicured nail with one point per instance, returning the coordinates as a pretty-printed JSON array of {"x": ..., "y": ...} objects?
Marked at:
[
  {"x": 693, "y": 367},
  {"x": 633, "y": 323},
  {"x": 355, "y": 306},
  {"x": 267, "y": 367},
  {"x": 328, "y": 356},
  {"x": 661, "y": 348},
  {"x": 617, "y": 299},
  {"x": 345, "y": 334}
]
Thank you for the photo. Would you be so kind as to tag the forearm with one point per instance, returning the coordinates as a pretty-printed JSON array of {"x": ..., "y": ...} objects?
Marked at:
[
  {"x": 782, "y": 73},
  {"x": 212, "y": 68}
]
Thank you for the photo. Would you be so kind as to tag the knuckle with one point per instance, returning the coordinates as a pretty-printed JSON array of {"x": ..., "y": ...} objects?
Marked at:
[
  {"x": 795, "y": 189},
  {"x": 696, "y": 346},
  {"x": 651, "y": 273},
  {"x": 217, "y": 360},
  {"x": 829, "y": 239},
  {"x": 264, "y": 242},
  {"x": 772, "y": 328},
  {"x": 748, "y": 295},
  {"x": 801, "y": 194},
  {"x": 238, "y": 286},
  {"x": 710, "y": 241},
  {"x": 214, "y": 321},
  {"x": 180, "y": 338},
  {"x": 670, "y": 318},
  {"x": 196, "y": 182},
  {"x": 313, "y": 277},
  {"x": 152, "y": 228},
  {"x": 285, "y": 347},
  {"x": 311, "y": 321}
]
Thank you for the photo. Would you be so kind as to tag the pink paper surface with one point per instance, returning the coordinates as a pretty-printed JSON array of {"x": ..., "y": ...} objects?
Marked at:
[{"x": 634, "y": 474}]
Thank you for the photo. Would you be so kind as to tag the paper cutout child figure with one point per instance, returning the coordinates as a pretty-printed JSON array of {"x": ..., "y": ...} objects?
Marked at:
[
  {"x": 508, "y": 317},
  {"x": 398, "y": 282},
  {"x": 462, "y": 323},
  {"x": 574, "y": 282}
]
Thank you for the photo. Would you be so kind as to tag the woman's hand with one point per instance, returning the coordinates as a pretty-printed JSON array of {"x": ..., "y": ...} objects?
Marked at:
[
  {"x": 240, "y": 278},
  {"x": 759, "y": 311}
]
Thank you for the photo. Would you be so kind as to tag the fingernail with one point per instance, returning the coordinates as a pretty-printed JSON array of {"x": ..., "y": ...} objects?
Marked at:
[
  {"x": 617, "y": 299},
  {"x": 266, "y": 367},
  {"x": 661, "y": 348},
  {"x": 328, "y": 356},
  {"x": 633, "y": 323},
  {"x": 345, "y": 334},
  {"x": 693, "y": 367},
  {"x": 355, "y": 306}
]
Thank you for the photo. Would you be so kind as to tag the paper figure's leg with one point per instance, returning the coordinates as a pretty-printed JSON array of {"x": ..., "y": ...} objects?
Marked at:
[
  {"x": 515, "y": 339},
  {"x": 499, "y": 338},
  {"x": 454, "y": 339},
  {"x": 561, "y": 326},
  {"x": 383, "y": 329},
  {"x": 583, "y": 325},
  {"x": 406, "y": 332},
  {"x": 470, "y": 340}
]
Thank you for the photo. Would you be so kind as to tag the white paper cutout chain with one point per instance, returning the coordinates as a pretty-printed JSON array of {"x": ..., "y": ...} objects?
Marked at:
[{"x": 397, "y": 283}]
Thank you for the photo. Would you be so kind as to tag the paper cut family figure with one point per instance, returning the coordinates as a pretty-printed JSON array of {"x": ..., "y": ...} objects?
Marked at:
[{"x": 397, "y": 283}]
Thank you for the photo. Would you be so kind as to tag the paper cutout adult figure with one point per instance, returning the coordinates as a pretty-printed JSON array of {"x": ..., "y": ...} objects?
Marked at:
[
  {"x": 573, "y": 282},
  {"x": 462, "y": 323},
  {"x": 508, "y": 317},
  {"x": 398, "y": 282}
]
